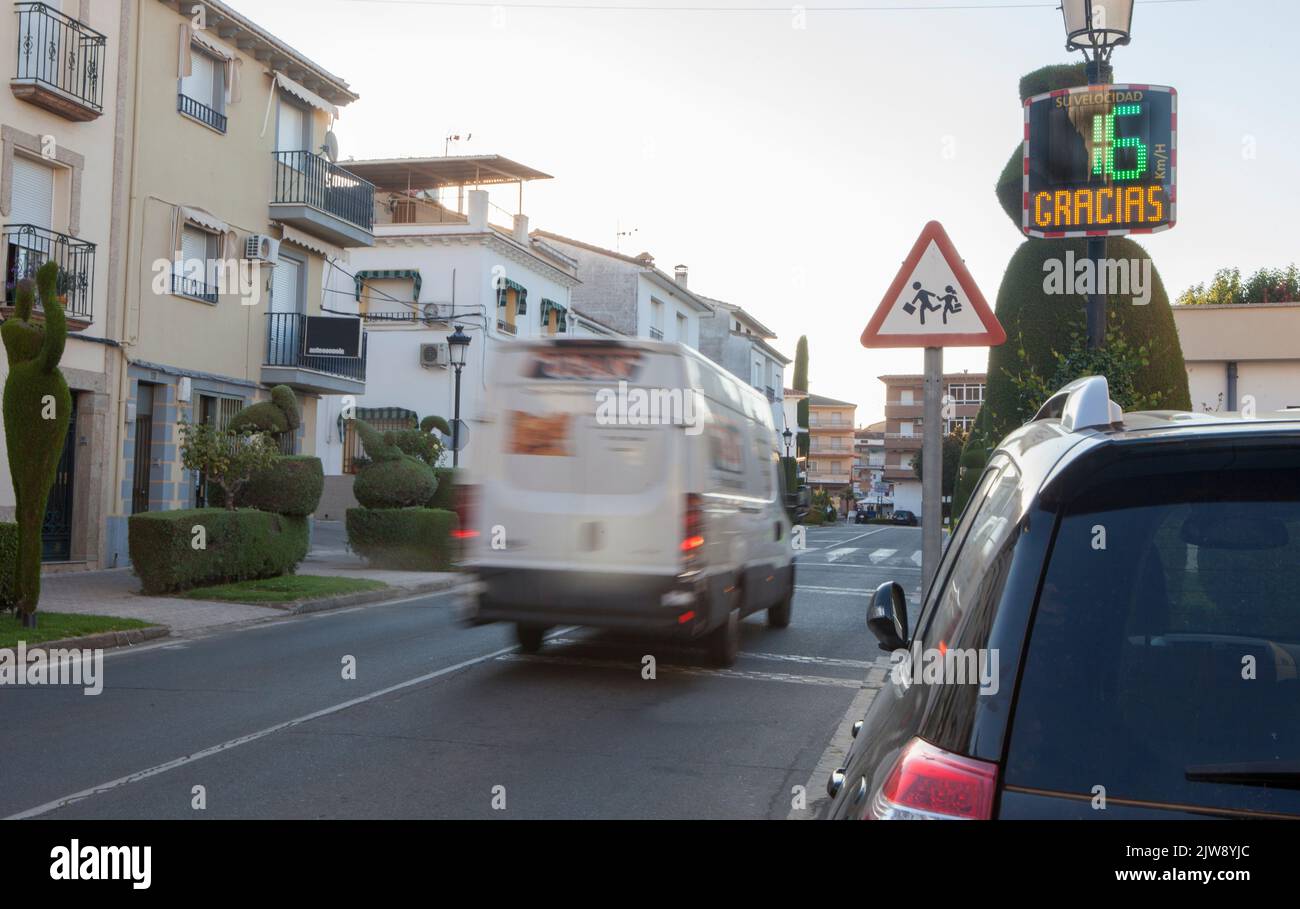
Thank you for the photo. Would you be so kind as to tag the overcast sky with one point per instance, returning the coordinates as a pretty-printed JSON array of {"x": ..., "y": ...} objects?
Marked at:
[{"x": 791, "y": 168}]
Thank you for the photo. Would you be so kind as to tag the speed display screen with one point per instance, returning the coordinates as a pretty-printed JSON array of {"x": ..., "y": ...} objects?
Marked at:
[{"x": 1100, "y": 160}]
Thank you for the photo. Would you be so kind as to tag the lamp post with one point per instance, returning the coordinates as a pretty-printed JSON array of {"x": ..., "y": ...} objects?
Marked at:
[
  {"x": 788, "y": 436},
  {"x": 457, "y": 348},
  {"x": 1098, "y": 26}
]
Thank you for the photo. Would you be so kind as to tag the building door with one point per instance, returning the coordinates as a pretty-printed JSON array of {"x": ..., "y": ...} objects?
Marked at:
[
  {"x": 142, "y": 461},
  {"x": 56, "y": 530}
]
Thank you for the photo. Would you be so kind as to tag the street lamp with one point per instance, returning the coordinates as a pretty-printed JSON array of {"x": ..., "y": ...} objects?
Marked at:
[
  {"x": 457, "y": 349},
  {"x": 1099, "y": 26},
  {"x": 788, "y": 436}
]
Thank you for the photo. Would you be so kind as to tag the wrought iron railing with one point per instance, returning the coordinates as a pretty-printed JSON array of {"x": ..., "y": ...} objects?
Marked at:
[
  {"x": 201, "y": 112},
  {"x": 28, "y": 247},
  {"x": 60, "y": 52},
  {"x": 192, "y": 287},
  {"x": 657, "y": 333},
  {"x": 506, "y": 328},
  {"x": 304, "y": 178},
  {"x": 284, "y": 342}
]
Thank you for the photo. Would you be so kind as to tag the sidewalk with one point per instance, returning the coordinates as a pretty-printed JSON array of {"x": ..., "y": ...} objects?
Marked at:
[{"x": 116, "y": 591}]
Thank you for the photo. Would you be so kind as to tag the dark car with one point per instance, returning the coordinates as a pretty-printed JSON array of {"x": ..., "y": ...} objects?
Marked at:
[
  {"x": 905, "y": 517},
  {"x": 1114, "y": 630}
]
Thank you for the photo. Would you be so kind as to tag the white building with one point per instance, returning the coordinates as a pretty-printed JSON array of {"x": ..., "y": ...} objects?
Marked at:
[
  {"x": 629, "y": 295},
  {"x": 434, "y": 266},
  {"x": 737, "y": 341},
  {"x": 1241, "y": 353}
]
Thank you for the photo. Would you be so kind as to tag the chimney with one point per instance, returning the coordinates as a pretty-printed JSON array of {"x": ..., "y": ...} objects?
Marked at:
[
  {"x": 478, "y": 208},
  {"x": 521, "y": 229},
  {"x": 680, "y": 273}
]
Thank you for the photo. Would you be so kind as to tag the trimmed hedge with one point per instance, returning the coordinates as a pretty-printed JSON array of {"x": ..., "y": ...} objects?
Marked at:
[
  {"x": 292, "y": 485},
  {"x": 8, "y": 565},
  {"x": 403, "y": 482},
  {"x": 240, "y": 545},
  {"x": 444, "y": 496},
  {"x": 405, "y": 539}
]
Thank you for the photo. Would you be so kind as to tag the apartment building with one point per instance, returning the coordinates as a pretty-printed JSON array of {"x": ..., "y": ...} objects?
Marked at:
[
  {"x": 737, "y": 341},
  {"x": 830, "y": 444},
  {"x": 630, "y": 295},
  {"x": 234, "y": 213},
  {"x": 1240, "y": 354},
  {"x": 869, "y": 464},
  {"x": 963, "y": 393},
  {"x": 444, "y": 255},
  {"x": 60, "y": 160}
]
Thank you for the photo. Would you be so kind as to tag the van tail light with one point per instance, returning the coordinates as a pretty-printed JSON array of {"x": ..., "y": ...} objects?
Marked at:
[
  {"x": 693, "y": 532},
  {"x": 464, "y": 500},
  {"x": 928, "y": 783}
]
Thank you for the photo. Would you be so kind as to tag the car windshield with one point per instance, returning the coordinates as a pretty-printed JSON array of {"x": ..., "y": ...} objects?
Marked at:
[{"x": 1166, "y": 641}]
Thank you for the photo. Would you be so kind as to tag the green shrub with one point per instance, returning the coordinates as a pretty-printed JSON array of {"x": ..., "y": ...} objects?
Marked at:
[
  {"x": 291, "y": 485},
  {"x": 402, "y": 482},
  {"x": 239, "y": 545},
  {"x": 8, "y": 565},
  {"x": 34, "y": 431},
  {"x": 815, "y": 517},
  {"x": 280, "y": 414},
  {"x": 445, "y": 495},
  {"x": 406, "y": 539}
]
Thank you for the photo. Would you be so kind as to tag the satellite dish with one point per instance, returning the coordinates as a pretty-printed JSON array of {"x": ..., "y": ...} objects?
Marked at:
[{"x": 331, "y": 146}]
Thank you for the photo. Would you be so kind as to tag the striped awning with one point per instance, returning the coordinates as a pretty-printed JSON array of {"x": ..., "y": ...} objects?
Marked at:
[
  {"x": 521, "y": 295},
  {"x": 389, "y": 274},
  {"x": 382, "y": 414},
  {"x": 562, "y": 321}
]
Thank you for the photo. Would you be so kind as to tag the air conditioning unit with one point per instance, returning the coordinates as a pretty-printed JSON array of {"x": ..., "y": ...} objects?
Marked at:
[
  {"x": 435, "y": 312},
  {"x": 261, "y": 248},
  {"x": 433, "y": 355}
]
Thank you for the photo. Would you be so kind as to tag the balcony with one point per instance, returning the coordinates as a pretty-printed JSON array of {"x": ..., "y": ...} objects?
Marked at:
[
  {"x": 897, "y": 410},
  {"x": 194, "y": 288},
  {"x": 506, "y": 328},
  {"x": 325, "y": 200},
  {"x": 60, "y": 63},
  {"x": 199, "y": 111},
  {"x": 27, "y": 248},
  {"x": 287, "y": 364},
  {"x": 901, "y": 441}
]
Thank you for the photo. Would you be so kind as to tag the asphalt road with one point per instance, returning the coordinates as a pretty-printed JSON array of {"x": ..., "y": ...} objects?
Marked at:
[{"x": 440, "y": 717}]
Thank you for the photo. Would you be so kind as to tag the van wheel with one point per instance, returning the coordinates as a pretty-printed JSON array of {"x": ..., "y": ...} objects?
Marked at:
[
  {"x": 778, "y": 616},
  {"x": 529, "y": 636},
  {"x": 723, "y": 642}
]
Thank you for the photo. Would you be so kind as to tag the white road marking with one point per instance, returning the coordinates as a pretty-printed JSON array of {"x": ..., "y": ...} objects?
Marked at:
[
  {"x": 916, "y": 557},
  {"x": 632, "y": 667},
  {"x": 813, "y": 660},
  {"x": 880, "y": 555},
  {"x": 836, "y": 554},
  {"x": 251, "y": 737},
  {"x": 838, "y": 591}
]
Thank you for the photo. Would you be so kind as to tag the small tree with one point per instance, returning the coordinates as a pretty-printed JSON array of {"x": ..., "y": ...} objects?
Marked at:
[{"x": 226, "y": 457}]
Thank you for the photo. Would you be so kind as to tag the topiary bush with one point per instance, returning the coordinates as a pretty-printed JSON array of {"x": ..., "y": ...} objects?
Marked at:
[
  {"x": 403, "y": 539},
  {"x": 1041, "y": 327},
  {"x": 8, "y": 565},
  {"x": 292, "y": 485},
  {"x": 37, "y": 404},
  {"x": 280, "y": 414},
  {"x": 401, "y": 483},
  {"x": 445, "y": 495},
  {"x": 237, "y": 545}
]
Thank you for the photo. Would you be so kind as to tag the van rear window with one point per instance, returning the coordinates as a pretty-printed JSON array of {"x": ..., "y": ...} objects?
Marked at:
[{"x": 602, "y": 364}]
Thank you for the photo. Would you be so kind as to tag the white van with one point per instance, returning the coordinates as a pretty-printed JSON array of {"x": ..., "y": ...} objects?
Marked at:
[{"x": 626, "y": 484}]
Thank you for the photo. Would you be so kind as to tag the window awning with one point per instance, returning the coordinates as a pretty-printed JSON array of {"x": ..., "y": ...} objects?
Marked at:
[
  {"x": 204, "y": 219},
  {"x": 302, "y": 93},
  {"x": 389, "y": 274},
  {"x": 561, "y": 323},
  {"x": 384, "y": 414},
  {"x": 521, "y": 295}
]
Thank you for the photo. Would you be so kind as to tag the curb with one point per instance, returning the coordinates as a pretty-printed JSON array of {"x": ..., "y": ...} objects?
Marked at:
[
  {"x": 106, "y": 640},
  {"x": 324, "y": 604}
]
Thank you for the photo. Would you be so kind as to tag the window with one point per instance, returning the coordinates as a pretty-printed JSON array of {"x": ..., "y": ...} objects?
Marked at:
[
  {"x": 905, "y": 396},
  {"x": 194, "y": 274},
  {"x": 905, "y": 428},
  {"x": 972, "y": 393},
  {"x": 284, "y": 333},
  {"x": 292, "y": 128},
  {"x": 681, "y": 329},
  {"x": 958, "y": 424},
  {"x": 656, "y": 320},
  {"x": 1175, "y": 646},
  {"x": 835, "y": 418},
  {"x": 32, "y": 200},
  {"x": 202, "y": 93}
]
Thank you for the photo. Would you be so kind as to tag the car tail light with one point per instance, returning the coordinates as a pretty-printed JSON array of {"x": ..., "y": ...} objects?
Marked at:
[
  {"x": 928, "y": 783},
  {"x": 693, "y": 532},
  {"x": 466, "y": 497}
]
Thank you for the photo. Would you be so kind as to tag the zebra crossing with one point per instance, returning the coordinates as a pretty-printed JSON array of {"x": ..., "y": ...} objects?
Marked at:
[{"x": 857, "y": 556}]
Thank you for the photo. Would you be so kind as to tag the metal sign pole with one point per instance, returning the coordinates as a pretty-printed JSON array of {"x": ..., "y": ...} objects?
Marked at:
[{"x": 931, "y": 469}]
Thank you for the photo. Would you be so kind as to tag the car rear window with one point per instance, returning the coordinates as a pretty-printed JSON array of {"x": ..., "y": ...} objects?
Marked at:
[{"x": 1162, "y": 663}]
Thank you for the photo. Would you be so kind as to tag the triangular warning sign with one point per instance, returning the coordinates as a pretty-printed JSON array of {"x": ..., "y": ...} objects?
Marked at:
[{"x": 933, "y": 302}]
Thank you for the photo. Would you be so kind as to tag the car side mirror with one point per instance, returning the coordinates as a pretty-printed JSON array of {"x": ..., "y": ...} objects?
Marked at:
[{"x": 887, "y": 616}]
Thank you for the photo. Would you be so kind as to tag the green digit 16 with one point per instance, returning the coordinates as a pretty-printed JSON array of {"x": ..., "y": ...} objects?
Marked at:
[{"x": 1104, "y": 144}]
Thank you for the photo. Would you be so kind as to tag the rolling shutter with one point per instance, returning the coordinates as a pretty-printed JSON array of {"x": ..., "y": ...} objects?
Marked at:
[{"x": 33, "y": 194}]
